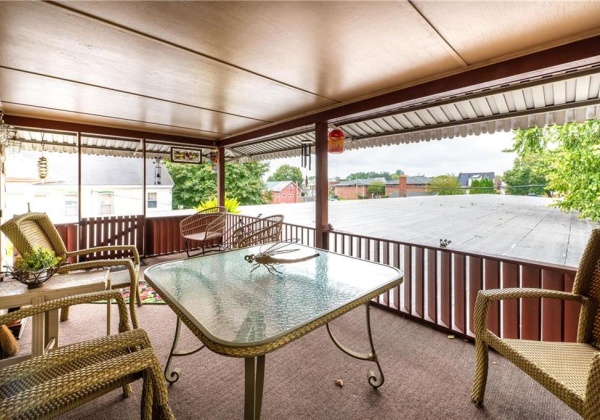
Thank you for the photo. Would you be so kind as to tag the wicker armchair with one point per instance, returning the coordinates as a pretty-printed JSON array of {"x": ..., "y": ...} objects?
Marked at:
[
  {"x": 49, "y": 385},
  {"x": 261, "y": 231},
  {"x": 571, "y": 371},
  {"x": 206, "y": 227},
  {"x": 31, "y": 230}
]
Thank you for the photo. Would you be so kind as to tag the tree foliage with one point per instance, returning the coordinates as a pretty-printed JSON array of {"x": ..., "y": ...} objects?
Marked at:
[
  {"x": 198, "y": 183},
  {"x": 287, "y": 173},
  {"x": 376, "y": 188},
  {"x": 482, "y": 186},
  {"x": 568, "y": 159},
  {"x": 527, "y": 177},
  {"x": 371, "y": 175},
  {"x": 445, "y": 185}
]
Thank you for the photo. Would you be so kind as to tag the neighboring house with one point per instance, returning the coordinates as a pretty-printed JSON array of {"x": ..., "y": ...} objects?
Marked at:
[
  {"x": 408, "y": 186},
  {"x": 466, "y": 179},
  {"x": 284, "y": 192},
  {"x": 355, "y": 188},
  {"x": 110, "y": 186}
]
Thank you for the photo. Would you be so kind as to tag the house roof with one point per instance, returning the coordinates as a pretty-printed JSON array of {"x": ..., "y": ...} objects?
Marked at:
[
  {"x": 278, "y": 185},
  {"x": 359, "y": 182},
  {"x": 99, "y": 170},
  {"x": 411, "y": 180},
  {"x": 201, "y": 73},
  {"x": 465, "y": 177}
]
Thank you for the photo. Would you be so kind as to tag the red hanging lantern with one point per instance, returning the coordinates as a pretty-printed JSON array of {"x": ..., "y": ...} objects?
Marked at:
[{"x": 335, "y": 141}]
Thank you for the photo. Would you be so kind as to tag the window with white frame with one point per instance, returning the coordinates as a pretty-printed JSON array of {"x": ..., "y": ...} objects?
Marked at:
[
  {"x": 71, "y": 204},
  {"x": 152, "y": 200},
  {"x": 106, "y": 202}
]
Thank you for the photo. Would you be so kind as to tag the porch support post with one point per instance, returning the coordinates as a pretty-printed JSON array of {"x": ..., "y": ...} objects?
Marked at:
[
  {"x": 221, "y": 177},
  {"x": 322, "y": 186}
]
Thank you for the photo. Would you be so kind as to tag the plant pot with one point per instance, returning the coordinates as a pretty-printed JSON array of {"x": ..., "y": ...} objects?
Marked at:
[{"x": 32, "y": 279}]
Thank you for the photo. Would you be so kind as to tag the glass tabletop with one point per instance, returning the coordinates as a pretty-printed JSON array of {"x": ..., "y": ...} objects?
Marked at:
[{"x": 235, "y": 302}]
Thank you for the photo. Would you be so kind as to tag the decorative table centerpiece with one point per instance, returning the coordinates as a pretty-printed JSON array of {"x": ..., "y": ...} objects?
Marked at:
[{"x": 34, "y": 268}]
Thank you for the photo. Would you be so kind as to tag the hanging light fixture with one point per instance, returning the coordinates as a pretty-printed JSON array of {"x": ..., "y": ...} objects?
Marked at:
[
  {"x": 335, "y": 141},
  {"x": 42, "y": 164}
]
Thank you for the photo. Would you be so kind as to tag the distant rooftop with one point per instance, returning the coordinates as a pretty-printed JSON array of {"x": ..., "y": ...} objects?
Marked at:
[{"x": 503, "y": 225}]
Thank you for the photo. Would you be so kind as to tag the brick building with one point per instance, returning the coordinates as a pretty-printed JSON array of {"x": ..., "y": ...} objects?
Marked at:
[{"x": 284, "y": 192}]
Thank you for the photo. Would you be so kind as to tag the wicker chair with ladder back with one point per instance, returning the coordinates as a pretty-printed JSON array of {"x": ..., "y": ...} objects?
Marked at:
[
  {"x": 32, "y": 230},
  {"x": 54, "y": 383},
  {"x": 261, "y": 231},
  {"x": 571, "y": 371},
  {"x": 206, "y": 228}
]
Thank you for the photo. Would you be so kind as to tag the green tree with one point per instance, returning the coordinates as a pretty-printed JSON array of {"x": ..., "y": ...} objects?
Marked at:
[
  {"x": 287, "y": 173},
  {"x": 445, "y": 185},
  {"x": 197, "y": 183},
  {"x": 482, "y": 186},
  {"x": 527, "y": 177},
  {"x": 568, "y": 158},
  {"x": 376, "y": 188}
]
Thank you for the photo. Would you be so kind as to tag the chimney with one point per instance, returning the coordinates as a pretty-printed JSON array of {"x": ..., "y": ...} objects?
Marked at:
[{"x": 402, "y": 186}]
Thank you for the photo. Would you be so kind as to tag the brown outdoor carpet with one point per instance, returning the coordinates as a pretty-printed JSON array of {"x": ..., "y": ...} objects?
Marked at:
[{"x": 427, "y": 375}]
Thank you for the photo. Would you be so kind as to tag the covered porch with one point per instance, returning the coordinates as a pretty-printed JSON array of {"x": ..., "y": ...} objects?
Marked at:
[{"x": 239, "y": 82}]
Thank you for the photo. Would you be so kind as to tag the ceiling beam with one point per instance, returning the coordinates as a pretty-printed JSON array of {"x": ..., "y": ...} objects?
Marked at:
[
  {"x": 566, "y": 57},
  {"x": 28, "y": 122}
]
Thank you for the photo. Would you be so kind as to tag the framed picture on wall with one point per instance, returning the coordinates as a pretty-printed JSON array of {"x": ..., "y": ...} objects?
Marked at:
[{"x": 185, "y": 155}]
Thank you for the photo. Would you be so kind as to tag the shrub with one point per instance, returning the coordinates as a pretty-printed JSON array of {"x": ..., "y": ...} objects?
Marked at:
[{"x": 231, "y": 204}]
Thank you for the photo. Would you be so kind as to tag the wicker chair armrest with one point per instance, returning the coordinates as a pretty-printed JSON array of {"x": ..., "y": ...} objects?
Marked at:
[
  {"x": 130, "y": 248},
  {"x": 519, "y": 293},
  {"x": 486, "y": 297},
  {"x": 86, "y": 265},
  {"x": 80, "y": 380},
  {"x": 50, "y": 305},
  {"x": 132, "y": 339}
]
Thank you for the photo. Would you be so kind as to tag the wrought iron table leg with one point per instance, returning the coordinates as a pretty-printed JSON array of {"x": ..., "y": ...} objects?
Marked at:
[
  {"x": 173, "y": 375},
  {"x": 372, "y": 357},
  {"x": 255, "y": 379}
]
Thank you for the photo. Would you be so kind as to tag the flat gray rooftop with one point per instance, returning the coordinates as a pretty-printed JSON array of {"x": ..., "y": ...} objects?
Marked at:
[{"x": 514, "y": 226}]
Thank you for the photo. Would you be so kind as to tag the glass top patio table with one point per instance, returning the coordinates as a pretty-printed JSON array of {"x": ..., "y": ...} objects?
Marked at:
[{"x": 239, "y": 309}]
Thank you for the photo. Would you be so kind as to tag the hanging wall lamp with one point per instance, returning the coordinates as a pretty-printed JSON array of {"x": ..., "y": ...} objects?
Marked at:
[
  {"x": 42, "y": 164},
  {"x": 335, "y": 141}
]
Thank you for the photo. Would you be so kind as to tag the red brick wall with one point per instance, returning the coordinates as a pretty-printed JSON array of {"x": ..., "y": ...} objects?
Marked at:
[
  {"x": 349, "y": 192},
  {"x": 290, "y": 194}
]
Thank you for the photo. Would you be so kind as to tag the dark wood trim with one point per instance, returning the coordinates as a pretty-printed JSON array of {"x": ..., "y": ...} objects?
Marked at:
[
  {"x": 322, "y": 186},
  {"x": 221, "y": 177},
  {"x": 29, "y": 122},
  {"x": 566, "y": 57}
]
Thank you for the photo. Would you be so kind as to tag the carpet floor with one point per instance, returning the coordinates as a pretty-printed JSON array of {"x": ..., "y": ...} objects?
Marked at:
[{"x": 427, "y": 375}]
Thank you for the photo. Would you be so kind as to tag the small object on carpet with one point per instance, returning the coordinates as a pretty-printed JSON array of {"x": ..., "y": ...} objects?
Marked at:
[{"x": 339, "y": 382}]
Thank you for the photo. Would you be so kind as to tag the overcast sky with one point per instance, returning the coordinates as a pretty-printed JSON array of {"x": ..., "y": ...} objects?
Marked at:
[{"x": 481, "y": 153}]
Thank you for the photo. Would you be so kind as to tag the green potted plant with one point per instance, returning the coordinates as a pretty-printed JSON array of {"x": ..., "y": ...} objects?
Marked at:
[{"x": 34, "y": 268}]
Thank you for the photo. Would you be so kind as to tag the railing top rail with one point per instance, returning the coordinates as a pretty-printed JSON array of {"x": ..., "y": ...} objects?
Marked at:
[{"x": 499, "y": 258}]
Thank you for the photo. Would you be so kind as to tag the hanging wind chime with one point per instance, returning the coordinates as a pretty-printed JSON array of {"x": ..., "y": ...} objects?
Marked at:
[
  {"x": 305, "y": 149},
  {"x": 42, "y": 164},
  {"x": 214, "y": 158}
]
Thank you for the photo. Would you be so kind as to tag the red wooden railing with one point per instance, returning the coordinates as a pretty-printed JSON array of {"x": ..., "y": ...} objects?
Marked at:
[{"x": 439, "y": 288}]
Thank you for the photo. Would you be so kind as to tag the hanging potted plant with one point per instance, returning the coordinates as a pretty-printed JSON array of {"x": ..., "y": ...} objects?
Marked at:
[{"x": 34, "y": 268}]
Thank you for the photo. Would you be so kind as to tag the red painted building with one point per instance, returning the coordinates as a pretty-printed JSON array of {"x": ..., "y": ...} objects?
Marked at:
[{"x": 284, "y": 192}]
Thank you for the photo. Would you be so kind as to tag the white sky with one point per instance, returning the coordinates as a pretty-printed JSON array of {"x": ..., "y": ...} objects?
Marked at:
[{"x": 481, "y": 153}]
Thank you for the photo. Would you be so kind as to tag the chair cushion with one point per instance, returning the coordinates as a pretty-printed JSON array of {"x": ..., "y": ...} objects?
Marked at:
[{"x": 563, "y": 368}]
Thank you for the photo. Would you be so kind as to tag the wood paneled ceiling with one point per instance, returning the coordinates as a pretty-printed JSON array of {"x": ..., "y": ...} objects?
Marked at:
[{"x": 230, "y": 72}]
